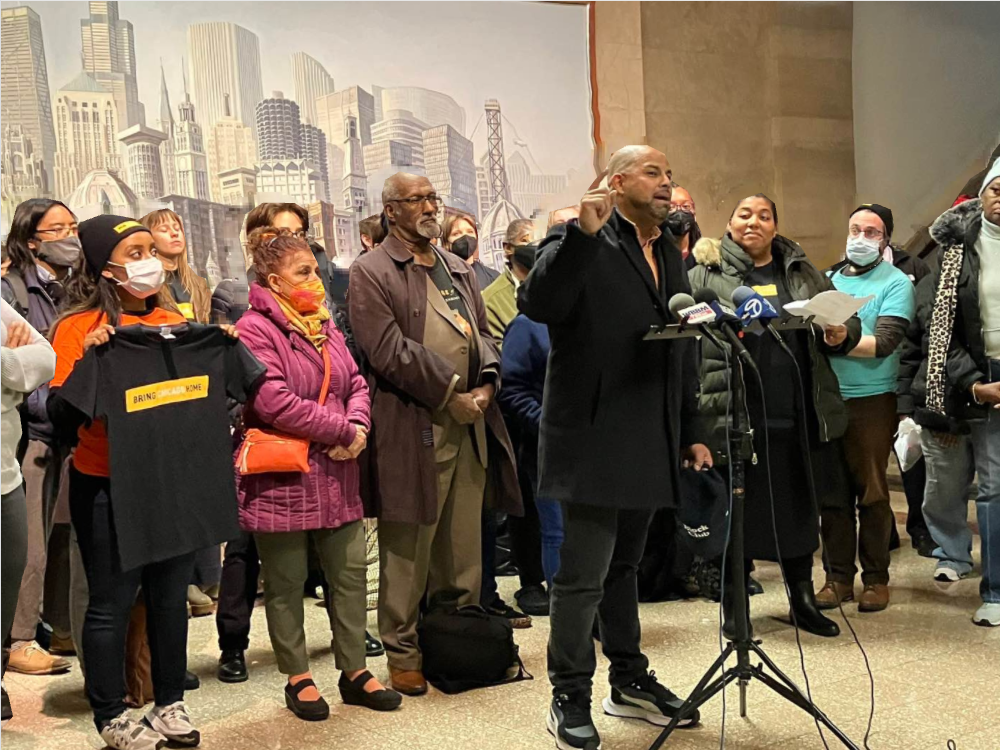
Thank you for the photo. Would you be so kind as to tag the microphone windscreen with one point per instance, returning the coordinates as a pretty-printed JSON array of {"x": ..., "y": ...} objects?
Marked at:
[
  {"x": 742, "y": 294},
  {"x": 706, "y": 295},
  {"x": 679, "y": 302}
]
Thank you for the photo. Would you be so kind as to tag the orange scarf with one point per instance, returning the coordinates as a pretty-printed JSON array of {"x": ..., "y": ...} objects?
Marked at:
[{"x": 310, "y": 326}]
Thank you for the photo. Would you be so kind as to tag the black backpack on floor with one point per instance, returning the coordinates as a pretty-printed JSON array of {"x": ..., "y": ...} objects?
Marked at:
[{"x": 465, "y": 648}]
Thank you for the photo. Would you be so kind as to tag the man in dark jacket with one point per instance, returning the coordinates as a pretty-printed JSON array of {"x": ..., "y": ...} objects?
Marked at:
[
  {"x": 614, "y": 429},
  {"x": 434, "y": 369}
]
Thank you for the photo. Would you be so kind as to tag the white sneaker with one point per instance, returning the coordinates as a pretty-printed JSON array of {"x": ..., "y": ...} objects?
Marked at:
[
  {"x": 988, "y": 615},
  {"x": 947, "y": 574},
  {"x": 125, "y": 734},
  {"x": 174, "y": 723}
]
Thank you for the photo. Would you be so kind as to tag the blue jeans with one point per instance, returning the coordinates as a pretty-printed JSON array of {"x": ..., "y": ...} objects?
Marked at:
[
  {"x": 551, "y": 521},
  {"x": 986, "y": 448},
  {"x": 950, "y": 471}
]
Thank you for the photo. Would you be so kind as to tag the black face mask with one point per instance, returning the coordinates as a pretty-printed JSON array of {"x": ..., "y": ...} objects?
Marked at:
[
  {"x": 524, "y": 255},
  {"x": 680, "y": 222},
  {"x": 465, "y": 247}
]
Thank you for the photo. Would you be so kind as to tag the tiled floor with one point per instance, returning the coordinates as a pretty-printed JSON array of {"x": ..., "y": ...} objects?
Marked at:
[{"x": 937, "y": 678}]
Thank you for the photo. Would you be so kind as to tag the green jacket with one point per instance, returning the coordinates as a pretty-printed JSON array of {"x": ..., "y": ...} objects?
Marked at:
[
  {"x": 722, "y": 267},
  {"x": 500, "y": 298}
]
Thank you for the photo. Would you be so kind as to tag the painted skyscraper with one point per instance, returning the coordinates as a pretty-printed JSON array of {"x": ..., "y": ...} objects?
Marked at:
[
  {"x": 279, "y": 128},
  {"x": 229, "y": 146},
  {"x": 311, "y": 82},
  {"x": 109, "y": 57},
  {"x": 224, "y": 58},
  {"x": 24, "y": 79},
  {"x": 143, "y": 164},
  {"x": 87, "y": 127},
  {"x": 189, "y": 153},
  {"x": 355, "y": 183},
  {"x": 166, "y": 125}
]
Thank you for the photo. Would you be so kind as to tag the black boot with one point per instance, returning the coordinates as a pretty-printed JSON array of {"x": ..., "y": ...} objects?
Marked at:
[{"x": 806, "y": 615}]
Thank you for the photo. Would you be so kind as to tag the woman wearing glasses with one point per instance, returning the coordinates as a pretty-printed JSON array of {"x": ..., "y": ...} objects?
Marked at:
[{"x": 42, "y": 247}]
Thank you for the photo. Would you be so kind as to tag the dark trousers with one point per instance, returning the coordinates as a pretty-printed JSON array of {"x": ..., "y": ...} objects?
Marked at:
[
  {"x": 15, "y": 553},
  {"x": 237, "y": 593},
  {"x": 488, "y": 593},
  {"x": 914, "y": 482},
  {"x": 863, "y": 533},
  {"x": 526, "y": 538},
  {"x": 113, "y": 592},
  {"x": 597, "y": 576}
]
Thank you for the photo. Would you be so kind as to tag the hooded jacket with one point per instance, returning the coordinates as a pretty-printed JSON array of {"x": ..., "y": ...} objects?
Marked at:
[
  {"x": 967, "y": 360},
  {"x": 723, "y": 266}
]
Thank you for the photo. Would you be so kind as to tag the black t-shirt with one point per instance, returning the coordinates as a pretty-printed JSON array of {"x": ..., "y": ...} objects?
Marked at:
[
  {"x": 441, "y": 277},
  {"x": 780, "y": 392},
  {"x": 181, "y": 295},
  {"x": 163, "y": 401}
]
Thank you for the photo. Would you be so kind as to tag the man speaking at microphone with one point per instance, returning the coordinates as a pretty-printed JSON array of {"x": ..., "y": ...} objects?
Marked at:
[{"x": 615, "y": 427}]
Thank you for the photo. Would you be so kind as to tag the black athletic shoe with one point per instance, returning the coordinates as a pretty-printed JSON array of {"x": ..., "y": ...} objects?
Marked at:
[
  {"x": 570, "y": 723},
  {"x": 648, "y": 700}
]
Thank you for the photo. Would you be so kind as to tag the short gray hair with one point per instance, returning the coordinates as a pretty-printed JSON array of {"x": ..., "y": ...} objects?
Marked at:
[
  {"x": 515, "y": 228},
  {"x": 392, "y": 190}
]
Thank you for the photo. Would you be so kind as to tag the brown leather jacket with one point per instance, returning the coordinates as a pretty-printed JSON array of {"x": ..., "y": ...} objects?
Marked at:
[{"x": 387, "y": 298}]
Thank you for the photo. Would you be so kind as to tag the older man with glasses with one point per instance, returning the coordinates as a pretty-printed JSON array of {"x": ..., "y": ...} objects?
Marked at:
[{"x": 420, "y": 322}]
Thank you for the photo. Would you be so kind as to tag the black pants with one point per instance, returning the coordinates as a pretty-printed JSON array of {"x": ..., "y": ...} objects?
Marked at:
[
  {"x": 489, "y": 592},
  {"x": 597, "y": 576},
  {"x": 113, "y": 592},
  {"x": 914, "y": 482},
  {"x": 526, "y": 537},
  {"x": 237, "y": 593}
]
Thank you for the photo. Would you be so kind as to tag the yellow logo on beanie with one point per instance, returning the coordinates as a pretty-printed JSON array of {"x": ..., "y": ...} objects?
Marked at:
[{"x": 127, "y": 225}]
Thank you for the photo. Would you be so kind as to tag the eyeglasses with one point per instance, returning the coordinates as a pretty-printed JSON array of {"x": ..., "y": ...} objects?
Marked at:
[
  {"x": 416, "y": 200},
  {"x": 689, "y": 207},
  {"x": 60, "y": 232},
  {"x": 870, "y": 233}
]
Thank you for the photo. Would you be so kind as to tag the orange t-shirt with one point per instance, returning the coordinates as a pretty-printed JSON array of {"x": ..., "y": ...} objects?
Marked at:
[{"x": 91, "y": 456}]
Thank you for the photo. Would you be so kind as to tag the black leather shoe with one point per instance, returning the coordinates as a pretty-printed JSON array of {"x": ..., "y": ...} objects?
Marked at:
[
  {"x": 533, "y": 600},
  {"x": 754, "y": 587},
  {"x": 7, "y": 713},
  {"x": 373, "y": 646},
  {"x": 191, "y": 682},
  {"x": 233, "y": 667},
  {"x": 354, "y": 694},
  {"x": 805, "y": 613}
]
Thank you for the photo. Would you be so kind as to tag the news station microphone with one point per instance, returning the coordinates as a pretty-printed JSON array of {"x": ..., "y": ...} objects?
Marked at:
[
  {"x": 752, "y": 306},
  {"x": 689, "y": 313},
  {"x": 727, "y": 322}
]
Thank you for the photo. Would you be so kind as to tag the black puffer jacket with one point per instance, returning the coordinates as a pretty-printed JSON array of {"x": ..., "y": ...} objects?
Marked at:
[
  {"x": 967, "y": 360},
  {"x": 723, "y": 266}
]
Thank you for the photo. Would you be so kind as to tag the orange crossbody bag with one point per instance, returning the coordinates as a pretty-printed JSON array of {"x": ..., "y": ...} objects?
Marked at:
[{"x": 271, "y": 452}]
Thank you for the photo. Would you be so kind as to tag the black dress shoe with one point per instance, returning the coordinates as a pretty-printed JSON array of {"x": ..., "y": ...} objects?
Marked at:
[
  {"x": 7, "y": 713},
  {"x": 924, "y": 544},
  {"x": 533, "y": 600},
  {"x": 806, "y": 615},
  {"x": 354, "y": 694},
  {"x": 754, "y": 587},
  {"x": 373, "y": 646},
  {"x": 233, "y": 667},
  {"x": 191, "y": 682}
]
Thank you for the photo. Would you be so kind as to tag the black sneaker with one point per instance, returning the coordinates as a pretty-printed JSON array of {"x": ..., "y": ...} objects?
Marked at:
[
  {"x": 533, "y": 600},
  {"x": 517, "y": 620},
  {"x": 570, "y": 723},
  {"x": 648, "y": 700}
]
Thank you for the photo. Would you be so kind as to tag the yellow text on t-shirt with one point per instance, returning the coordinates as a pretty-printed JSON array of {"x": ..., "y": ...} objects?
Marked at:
[{"x": 168, "y": 392}]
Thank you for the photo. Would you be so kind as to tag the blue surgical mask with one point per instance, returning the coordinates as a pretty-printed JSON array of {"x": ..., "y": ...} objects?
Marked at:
[{"x": 862, "y": 251}]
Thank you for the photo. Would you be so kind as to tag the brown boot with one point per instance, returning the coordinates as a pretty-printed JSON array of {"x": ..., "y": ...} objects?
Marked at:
[
  {"x": 874, "y": 598},
  {"x": 833, "y": 594},
  {"x": 410, "y": 683}
]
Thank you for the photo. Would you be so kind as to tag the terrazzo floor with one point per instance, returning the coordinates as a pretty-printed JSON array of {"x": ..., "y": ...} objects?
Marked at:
[{"x": 937, "y": 679}]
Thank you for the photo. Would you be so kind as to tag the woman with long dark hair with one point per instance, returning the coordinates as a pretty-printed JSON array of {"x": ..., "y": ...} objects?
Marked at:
[
  {"x": 784, "y": 525},
  {"x": 42, "y": 248}
]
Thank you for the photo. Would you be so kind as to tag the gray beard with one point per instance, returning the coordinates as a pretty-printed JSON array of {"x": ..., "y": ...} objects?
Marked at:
[{"x": 429, "y": 231}]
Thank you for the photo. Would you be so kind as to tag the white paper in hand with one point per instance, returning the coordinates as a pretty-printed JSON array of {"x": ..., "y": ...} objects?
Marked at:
[{"x": 830, "y": 308}]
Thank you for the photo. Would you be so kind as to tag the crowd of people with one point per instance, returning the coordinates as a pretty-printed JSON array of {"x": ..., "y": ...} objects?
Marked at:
[{"x": 456, "y": 405}]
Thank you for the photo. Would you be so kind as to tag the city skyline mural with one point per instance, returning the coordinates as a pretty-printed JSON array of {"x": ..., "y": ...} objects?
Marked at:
[{"x": 211, "y": 108}]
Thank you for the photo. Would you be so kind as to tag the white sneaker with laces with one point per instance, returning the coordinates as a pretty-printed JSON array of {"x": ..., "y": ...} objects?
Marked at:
[
  {"x": 125, "y": 734},
  {"x": 988, "y": 615},
  {"x": 174, "y": 723}
]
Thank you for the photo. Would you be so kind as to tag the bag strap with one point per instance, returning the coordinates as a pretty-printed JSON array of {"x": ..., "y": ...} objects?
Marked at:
[
  {"x": 20, "y": 289},
  {"x": 325, "y": 390}
]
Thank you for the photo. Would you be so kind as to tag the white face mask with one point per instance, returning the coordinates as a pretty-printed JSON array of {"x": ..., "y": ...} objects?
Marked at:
[
  {"x": 145, "y": 277},
  {"x": 862, "y": 251}
]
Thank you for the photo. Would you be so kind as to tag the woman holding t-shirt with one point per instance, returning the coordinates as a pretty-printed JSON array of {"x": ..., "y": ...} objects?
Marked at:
[{"x": 118, "y": 283}]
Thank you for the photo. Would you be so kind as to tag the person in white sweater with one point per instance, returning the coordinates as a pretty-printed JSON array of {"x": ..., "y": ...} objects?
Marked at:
[{"x": 28, "y": 361}]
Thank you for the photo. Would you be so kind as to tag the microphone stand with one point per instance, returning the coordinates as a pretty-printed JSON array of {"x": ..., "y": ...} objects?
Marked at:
[{"x": 744, "y": 645}]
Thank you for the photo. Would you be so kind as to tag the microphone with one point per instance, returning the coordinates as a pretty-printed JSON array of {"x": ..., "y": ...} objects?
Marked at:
[
  {"x": 753, "y": 306},
  {"x": 726, "y": 321},
  {"x": 689, "y": 313}
]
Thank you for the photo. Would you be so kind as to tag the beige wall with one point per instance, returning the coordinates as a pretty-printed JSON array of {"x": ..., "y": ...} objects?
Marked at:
[{"x": 743, "y": 98}]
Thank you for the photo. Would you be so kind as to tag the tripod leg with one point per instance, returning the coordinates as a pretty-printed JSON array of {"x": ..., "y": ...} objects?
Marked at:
[
  {"x": 797, "y": 698},
  {"x": 696, "y": 700}
]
